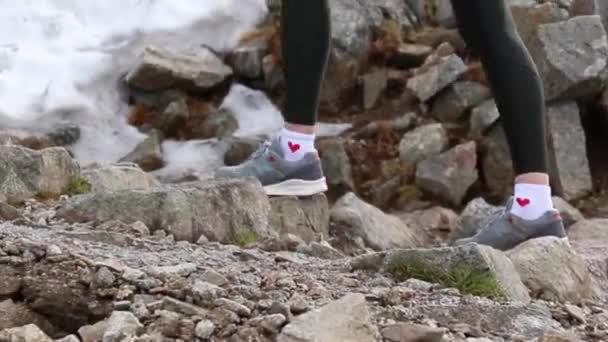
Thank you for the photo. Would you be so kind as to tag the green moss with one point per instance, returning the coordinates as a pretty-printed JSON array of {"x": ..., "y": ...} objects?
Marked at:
[
  {"x": 244, "y": 238},
  {"x": 461, "y": 277},
  {"x": 78, "y": 186}
]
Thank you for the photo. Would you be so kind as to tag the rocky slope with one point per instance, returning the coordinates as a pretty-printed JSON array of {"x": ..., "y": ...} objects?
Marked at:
[{"x": 115, "y": 253}]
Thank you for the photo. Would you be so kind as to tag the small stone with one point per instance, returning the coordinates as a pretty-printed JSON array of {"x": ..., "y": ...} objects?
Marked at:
[
  {"x": 148, "y": 154},
  {"x": 204, "y": 329},
  {"x": 336, "y": 164},
  {"x": 53, "y": 250},
  {"x": 131, "y": 274},
  {"x": 27, "y": 333},
  {"x": 407, "y": 332},
  {"x": 346, "y": 319},
  {"x": 452, "y": 104},
  {"x": 93, "y": 333},
  {"x": 368, "y": 261},
  {"x": 436, "y": 77},
  {"x": 374, "y": 83},
  {"x": 482, "y": 117},
  {"x": 181, "y": 270},
  {"x": 422, "y": 143},
  {"x": 121, "y": 325},
  {"x": 172, "y": 304},
  {"x": 213, "y": 277},
  {"x": 8, "y": 212},
  {"x": 272, "y": 323},
  {"x": 418, "y": 284},
  {"x": 247, "y": 61},
  {"x": 569, "y": 214},
  {"x": 141, "y": 228},
  {"x": 321, "y": 250},
  {"x": 576, "y": 312},
  {"x": 122, "y": 305},
  {"x": 450, "y": 174},
  {"x": 104, "y": 278},
  {"x": 298, "y": 304},
  {"x": 202, "y": 240},
  {"x": 206, "y": 292},
  {"x": 233, "y": 306},
  {"x": 69, "y": 338}
]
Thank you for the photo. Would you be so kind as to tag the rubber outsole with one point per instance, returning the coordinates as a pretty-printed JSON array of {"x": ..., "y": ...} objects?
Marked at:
[{"x": 296, "y": 187}]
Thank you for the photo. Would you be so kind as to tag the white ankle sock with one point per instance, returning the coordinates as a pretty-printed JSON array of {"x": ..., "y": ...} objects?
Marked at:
[
  {"x": 531, "y": 201},
  {"x": 295, "y": 144}
]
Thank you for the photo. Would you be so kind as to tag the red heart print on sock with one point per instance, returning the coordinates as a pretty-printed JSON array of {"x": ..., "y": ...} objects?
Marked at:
[
  {"x": 523, "y": 201},
  {"x": 293, "y": 147}
]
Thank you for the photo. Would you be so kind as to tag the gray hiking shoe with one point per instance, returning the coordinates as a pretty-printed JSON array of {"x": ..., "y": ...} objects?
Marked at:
[
  {"x": 509, "y": 230},
  {"x": 278, "y": 176}
]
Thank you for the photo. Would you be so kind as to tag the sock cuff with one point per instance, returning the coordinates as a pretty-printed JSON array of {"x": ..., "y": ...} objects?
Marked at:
[
  {"x": 525, "y": 187},
  {"x": 297, "y": 135}
]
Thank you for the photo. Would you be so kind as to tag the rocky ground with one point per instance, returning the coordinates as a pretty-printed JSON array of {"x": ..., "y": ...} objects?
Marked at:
[{"x": 415, "y": 157}]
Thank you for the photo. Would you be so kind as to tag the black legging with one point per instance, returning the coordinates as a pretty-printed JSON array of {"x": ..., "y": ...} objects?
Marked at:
[{"x": 486, "y": 26}]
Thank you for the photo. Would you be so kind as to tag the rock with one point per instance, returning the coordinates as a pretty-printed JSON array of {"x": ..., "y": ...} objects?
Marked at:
[
  {"x": 158, "y": 69},
  {"x": 8, "y": 212},
  {"x": 64, "y": 135},
  {"x": 233, "y": 306},
  {"x": 410, "y": 55},
  {"x": 570, "y": 173},
  {"x": 374, "y": 84},
  {"x": 27, "y": 333},
  {"x": 216, "y": 124},
  {"x": 173, "y": 118},
  {"x": 436, "y": 78},
  {"x": 93, "y": 333},
  {"x": 336, "y": 164},
  {"x": 180, "y": 270},
  {"x": 272, "y": 323},
  {"x": 274, "y": 75},
  {"x": 476, "y": 215},
  {"x": 305, "y": 217},
  {"x": 204, "y": 329},
  {"x": 247, "y": 61},
  {"x": 435, "y": 222},
  {"x": 407, "y": 332},
  {"x": 574, "y": 57},
  {"x": 104, "y": 278},
  {"x": 450, "y": 174},
  {"x": 346, "y": 319},
  {"x": 213, "y": 277},
  {"x": 174, "y": 305},
  {"x": 321, "y": 250},
  {"x": 422, "y": 143},
  {"x": 441, "y": 12},
  {"x": 17, "y": 315},
  {"x": 186, "y": 211},
  {"x": 121, "y": 325},
  {"x": 479, "y": 264},
  {"x": 482, "y": 117},
  {"x": 148, "y": 154},
  {"x": 352, "y": 25},
  {"x": 239, "y": 149},
  {"x": 589, "y": 238},
  {"x": 552, "y": 270},
  {"x": 451, "y": 104},
  {"x": 117, "y": 177},
  {"x": 528, "y": 19},
  {"x": 69, "y": 338},
  {"x": 353, "y": 218},
  {"x": 205, "y": 292},
  {"x": 497, "y": 163},
  {"x": 25, "y": 173},
  {"x": 570, "y": 215}
]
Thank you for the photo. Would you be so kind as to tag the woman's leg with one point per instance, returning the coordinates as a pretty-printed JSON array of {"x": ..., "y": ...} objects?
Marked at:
[
  {"x": 487, "y": 27},
  {"x": 305, "y": 43},
  {"x": 290, "y": 165}
]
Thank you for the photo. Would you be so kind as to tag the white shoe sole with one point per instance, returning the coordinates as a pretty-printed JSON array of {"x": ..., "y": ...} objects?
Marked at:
[{"x": 296, "y": 187}]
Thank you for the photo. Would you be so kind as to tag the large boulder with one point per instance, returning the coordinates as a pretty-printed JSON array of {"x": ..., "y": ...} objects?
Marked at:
[
  {"x": 449, "y": 175},
  {"x": 552, "y": 270},
  {"x": 26, "y": 173},
  {"x": 116, "y": 177},
  {"x": 570, "y": 171},
  {"x": 472, "y": 268},
  {"x": 158, "y": 68},
  {"x": 221, "y": 210},
  {"x": 352, "y": 218},
  {"x": 346, "y": 319}
]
